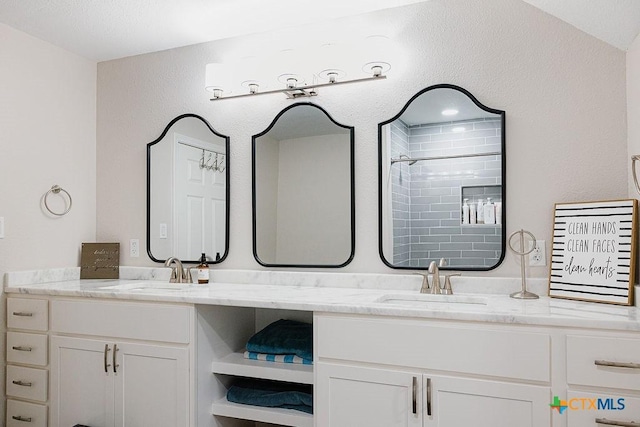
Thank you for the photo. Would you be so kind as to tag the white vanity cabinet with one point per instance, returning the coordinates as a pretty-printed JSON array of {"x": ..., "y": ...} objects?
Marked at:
[
  {"x": 603, "y": 377},
  {"x": 120, "y": 364},
  {"x": 27, "y": 361},
  {"x": 402, "y": 372}
]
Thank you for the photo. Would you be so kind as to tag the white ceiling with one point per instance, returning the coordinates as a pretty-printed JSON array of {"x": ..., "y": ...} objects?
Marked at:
[
  {"x": 616, "y": 22},
  {"x": 110, "y": 29}
]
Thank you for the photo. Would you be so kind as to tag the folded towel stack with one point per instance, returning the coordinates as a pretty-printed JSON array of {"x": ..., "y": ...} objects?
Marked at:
[
  {"x": 283, "y": 338},
  {"x": 272, "y": 394},
  {"x": 286, "y": 341}
]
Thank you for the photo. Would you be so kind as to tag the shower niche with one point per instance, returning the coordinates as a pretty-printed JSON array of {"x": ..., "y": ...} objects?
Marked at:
[{"x": 443, "y": 147}]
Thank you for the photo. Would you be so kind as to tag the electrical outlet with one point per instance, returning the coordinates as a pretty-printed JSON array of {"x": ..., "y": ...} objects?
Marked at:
[
  {"x": 538, "y": 257},
  {"x": 134, "y": 248}
]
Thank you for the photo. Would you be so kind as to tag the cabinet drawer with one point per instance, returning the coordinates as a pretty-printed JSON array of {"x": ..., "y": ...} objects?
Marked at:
[
  {"x": 27, "y": 383},
  {"x": 581, "y": 413},
  {"x": 435, "y": 346},
  {"x": 142, "y": 321},
  {"x": 584, "y": 351},
  {"x": 23, "y": 414},
  {"x": 27, "y": 313},
  {"x": 30, "y": 349}
]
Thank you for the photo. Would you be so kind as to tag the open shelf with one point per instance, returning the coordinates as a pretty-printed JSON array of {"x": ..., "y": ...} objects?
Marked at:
[
  {"x": 284, "y": 417},
  {"x": 236, "y": 364}
]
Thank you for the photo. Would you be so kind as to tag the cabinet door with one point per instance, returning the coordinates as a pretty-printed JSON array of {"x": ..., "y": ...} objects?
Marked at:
[
  {"x": 81, "y": 390},
  {"x": 348, "y": 396},
  {"x": 455, "y": 402},
  {"x": 151, "y": 386}
]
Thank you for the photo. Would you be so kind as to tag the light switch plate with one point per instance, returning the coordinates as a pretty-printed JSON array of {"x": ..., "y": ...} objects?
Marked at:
[
  {"x": 163, "y": 231},
  {"x": 1, "y": 227}
]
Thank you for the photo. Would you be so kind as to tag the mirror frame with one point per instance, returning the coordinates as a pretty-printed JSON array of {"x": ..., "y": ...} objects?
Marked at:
[
  {"x": 503, "y": 161},
  {"x": 227, "y": 189},
  {"x": 352, "y": 185}
]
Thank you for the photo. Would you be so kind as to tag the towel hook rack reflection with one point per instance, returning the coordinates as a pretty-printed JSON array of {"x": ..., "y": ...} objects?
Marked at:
[{"x": 56, "y": 189}]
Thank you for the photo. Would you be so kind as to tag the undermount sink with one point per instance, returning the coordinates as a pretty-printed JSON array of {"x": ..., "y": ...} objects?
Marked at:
[
  {"x": 427, "y": 299},
  {"x": 143, "y": 286}
]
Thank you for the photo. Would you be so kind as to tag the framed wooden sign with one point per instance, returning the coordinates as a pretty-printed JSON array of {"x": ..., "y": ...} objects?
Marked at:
[
  {"x": 594, "y": 251},
  {"x": 100, "y": 261}
]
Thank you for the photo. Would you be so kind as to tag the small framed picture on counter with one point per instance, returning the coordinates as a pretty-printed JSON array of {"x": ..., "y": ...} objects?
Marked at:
[
  {"x": 100, "y": 261},
  {"x": 594, "y": 251}
]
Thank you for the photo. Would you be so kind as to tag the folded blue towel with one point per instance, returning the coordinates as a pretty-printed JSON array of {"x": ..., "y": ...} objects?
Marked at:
[
  {"x": 272, "y": 394},
  {"x": 282, "y": 358},
  {"x": 284, "y": 337}
]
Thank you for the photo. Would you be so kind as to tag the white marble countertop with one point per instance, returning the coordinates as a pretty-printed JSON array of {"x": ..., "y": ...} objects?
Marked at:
[{"x": 370, "y": 294}]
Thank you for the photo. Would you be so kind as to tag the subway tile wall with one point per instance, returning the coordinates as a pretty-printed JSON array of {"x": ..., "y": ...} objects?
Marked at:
[{"x": 427, "y": 196}]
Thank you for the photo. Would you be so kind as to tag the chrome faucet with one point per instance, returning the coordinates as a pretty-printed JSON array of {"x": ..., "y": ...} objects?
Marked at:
[
  {"x": 435, "y": 272},
  {"x": 435, "y": 282},
  {"x": 178, "y": 273}
]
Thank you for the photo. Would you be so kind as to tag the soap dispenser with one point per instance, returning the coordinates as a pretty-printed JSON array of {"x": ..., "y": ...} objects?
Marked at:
[
  {"x": 489, "y": 212},
  {"x": 203, "y": 270}
]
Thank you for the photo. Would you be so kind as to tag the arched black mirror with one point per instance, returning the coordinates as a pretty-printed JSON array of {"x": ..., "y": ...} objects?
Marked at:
[
  {"x": 303, "y": 190},
  {"x": 442, "y": 182},
  {"x": 188, "y": 192}
]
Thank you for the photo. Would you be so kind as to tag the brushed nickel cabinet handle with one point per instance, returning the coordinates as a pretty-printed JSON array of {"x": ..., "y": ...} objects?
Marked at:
[
  {"x": 22, "y": 383},
  {"x": 106, "y": 365},
  {"x": 19, "y": 418},
  {"x": 617, "y": 423},
  {"x": 414, "y": 392},
  {"x": 115, "y": 365},
  {"x": 429, "y": 396},
  {"x": 21, "y": 348},
  {"x": 617, "y": 364},
  {"x": 22, "y": 313}
]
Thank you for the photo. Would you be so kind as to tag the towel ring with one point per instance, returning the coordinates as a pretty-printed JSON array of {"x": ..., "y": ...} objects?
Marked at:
[
  {"x": 524, "y": 293},
  {"x": 56, "y": 189},
  {"x": 633, "y": 169}
]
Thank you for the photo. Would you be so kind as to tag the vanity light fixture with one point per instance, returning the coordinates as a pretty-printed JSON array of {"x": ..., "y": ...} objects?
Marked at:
[
  {"x": 285, "y": 69},
  {"x": 449, "y": 112}
]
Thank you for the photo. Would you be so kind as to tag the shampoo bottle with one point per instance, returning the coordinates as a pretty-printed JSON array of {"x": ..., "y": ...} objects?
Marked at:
[
  {"x": 489, "y": 212},
  {"x": 465, "y": 212},
  {"x": 203, "y": 270},
  {"x": 473, "y": 213},
  {"x": 480, "y": 212},
  {"x": 498, "y": 212}
]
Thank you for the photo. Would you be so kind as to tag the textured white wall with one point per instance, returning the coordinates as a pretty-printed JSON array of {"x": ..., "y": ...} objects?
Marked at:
[
  {"x": 48, "y": 136},
  {"x": 564, "y": 93},
  {"x": 48, "y": 125}
]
